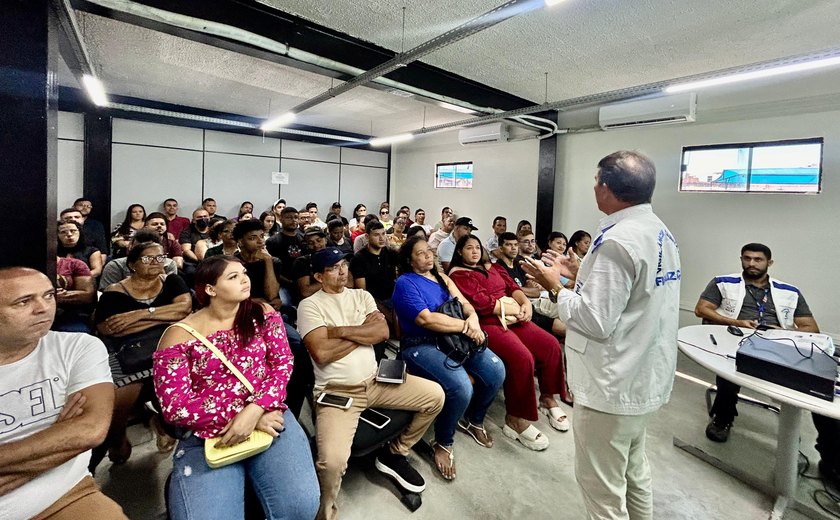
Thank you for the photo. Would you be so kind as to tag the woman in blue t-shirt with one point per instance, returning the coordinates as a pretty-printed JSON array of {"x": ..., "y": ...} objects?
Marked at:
[{"x": 418, "y": 292}]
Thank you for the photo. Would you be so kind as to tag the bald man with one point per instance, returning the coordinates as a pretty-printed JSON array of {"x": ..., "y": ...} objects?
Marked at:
[{"x": 56, "y": 398}]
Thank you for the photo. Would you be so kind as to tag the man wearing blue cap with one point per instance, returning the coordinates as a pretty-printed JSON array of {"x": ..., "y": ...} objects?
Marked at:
[{"x": 339, "y": 327}]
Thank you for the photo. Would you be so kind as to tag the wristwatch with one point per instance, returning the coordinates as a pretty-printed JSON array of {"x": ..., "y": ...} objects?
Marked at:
[
  {"x": 151, "y": 310},
  {"x": 552, "y": 294}
]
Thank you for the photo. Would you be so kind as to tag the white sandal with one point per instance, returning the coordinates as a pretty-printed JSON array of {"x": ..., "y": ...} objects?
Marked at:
[
  {"x": 531, "y": 438},
  {"x": 556, "y": 418}
]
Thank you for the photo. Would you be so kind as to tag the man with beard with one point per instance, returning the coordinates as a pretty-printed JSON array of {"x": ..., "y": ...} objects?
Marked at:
[{"x": 753, "y": 299}]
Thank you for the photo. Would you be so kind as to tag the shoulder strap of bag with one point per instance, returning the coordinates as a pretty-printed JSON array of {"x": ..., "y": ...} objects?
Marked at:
[{"x": 218, "y": 354}]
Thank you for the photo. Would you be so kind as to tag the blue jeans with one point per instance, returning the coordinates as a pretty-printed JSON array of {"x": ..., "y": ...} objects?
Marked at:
[
  {"x": 283, "y": 478},
  {"x": 463, "y": 399}
]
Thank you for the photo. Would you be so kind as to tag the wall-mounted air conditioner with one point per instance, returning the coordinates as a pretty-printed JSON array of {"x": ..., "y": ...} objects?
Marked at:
[
  {"x": 680, "y": 108},
  {"x": 492, "y": 133}
]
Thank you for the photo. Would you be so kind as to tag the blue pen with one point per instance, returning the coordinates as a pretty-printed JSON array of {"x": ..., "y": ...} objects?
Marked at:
[{"x": 712, "y": 337}]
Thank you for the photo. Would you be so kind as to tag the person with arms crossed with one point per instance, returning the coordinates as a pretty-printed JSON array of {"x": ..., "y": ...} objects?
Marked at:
[
  {"x": 57, "y": 401},
  {"x": 339, "y": 327},
  {"x": 621, "y": 338}
]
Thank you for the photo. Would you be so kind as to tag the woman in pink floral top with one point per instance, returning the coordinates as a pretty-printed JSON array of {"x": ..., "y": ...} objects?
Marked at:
[{"x": 199, "y": 393}]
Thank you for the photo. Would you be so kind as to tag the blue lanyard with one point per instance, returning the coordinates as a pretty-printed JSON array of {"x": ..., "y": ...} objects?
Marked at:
[{"x": 761, "y": 304}]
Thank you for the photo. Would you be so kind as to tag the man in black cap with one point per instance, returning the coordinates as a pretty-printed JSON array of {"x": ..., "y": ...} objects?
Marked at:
[
  {"x": 339, "y": 327},
  {"x": 314, "y": 239},
  {"x": 463, "y": 226}
]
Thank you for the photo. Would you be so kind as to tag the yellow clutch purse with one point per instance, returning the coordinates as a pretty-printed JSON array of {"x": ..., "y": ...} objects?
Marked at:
[{"x": 256, "y": 443}]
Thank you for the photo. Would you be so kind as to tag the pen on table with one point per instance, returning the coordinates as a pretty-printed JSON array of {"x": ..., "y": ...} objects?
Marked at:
[{"x": 712, "y": 337}]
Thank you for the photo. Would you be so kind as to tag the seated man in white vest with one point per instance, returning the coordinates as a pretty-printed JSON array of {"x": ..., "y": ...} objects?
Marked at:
[{"x": 753, "y": 299}]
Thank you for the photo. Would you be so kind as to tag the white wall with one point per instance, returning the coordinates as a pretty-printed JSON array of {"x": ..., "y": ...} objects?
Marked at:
[
  {"x": 801, "y": 230},
  {"x": 71, "y": 158},
  {"x": 152, "y": 162},
  {"x": 504, "y": 183}
]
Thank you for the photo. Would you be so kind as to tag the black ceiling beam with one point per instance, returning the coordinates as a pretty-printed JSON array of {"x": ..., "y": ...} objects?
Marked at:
[
  {"x": 74, "y": 100},
  {"x": 296, "y": 32}
]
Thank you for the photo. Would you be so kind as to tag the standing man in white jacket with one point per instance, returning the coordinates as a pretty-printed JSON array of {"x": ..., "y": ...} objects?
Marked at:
[{"x": 621, "y": 343}]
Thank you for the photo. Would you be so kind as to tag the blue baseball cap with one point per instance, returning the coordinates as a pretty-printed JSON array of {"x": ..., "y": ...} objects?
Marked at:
[{"x": 327, "y": 257}]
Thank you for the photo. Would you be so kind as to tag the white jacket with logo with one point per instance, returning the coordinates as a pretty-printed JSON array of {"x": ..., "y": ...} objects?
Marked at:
[
  {"x": 623, "y": 315},
  {"x": 733, "y": 290}
]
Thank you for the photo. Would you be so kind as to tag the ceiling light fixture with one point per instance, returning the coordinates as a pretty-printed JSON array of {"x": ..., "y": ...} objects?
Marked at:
[
  {"x": 550, "y": 3},
  {"x": 95, "y": 90},
  {"x": 382, "y": 141},
  {"x": 756, "y": 74},
  {"x": 456, "y": 108},
  {"x": 278, "y": 122}
]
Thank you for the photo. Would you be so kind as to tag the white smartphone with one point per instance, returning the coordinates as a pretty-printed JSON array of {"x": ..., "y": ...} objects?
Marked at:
[
  {"x": 376, "y": 419},
  {"x": 339, "y": 401}
]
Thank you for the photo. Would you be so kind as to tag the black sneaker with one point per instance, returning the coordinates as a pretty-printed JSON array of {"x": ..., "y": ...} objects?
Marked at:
[
  {"x": 397, "y": 467},
  {"x": 718, "y": 432}
]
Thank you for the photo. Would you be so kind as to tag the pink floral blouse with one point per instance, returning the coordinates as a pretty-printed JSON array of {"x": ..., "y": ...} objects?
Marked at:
[{"x": 197, "y": 391}]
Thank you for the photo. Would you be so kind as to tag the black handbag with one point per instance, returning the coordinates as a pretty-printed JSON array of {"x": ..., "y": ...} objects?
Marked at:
[
  {"x": 458, "y": 347},
  {"x": 134, "y": 351}
]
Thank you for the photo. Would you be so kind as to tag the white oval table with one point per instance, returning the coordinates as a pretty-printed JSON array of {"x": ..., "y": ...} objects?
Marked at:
[{"x": 696, "y": 343}]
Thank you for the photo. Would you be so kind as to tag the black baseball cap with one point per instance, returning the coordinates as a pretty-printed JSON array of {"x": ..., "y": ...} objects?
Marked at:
[
  {"x": 327, "y": 257},
  {"x": 466, "y": 221},
  {"x": 314, "y": 230},
  {"x": 335, "y": 205}
]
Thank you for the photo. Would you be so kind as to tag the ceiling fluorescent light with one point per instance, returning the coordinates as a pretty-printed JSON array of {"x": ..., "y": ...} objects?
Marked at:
[
  {"x": 95, "y": 90},
  {"x": 756, "y": 74},
  {"x": 549, "y": 3},
  {"x": 456, "y": 108},
  {"x": 382, "y": 141},
  {"x": 278, "y": 122}
]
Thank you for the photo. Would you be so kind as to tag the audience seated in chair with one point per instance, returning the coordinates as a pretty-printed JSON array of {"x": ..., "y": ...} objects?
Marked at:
[
  {"x": 445, "y": 212},
  {"x": 72, "y": 244},
  {"x": 174, "y": 224},
  {"x": 339, "y": 327},
  {"x": 463, "y": 227},
  {"x": 385, "y": 215},
  {"x": 753, "y": 299},
  {"x": 51, "y": 427},
  {"x": 359, "y": 235},
  {"x": 396, "y": 235},
  {"x": 374, "y": 269},
  {"x": 442, "y": 232},
  {"x": 419, "y": 291},
  {"x": 528, "y": 245},
  {"x": 579, "y": 245},
  {"x": 545, "y": 312},
  {"x": 517, "y": 341},
  {"x": 314, "y": 239},
  {"x": 75, "y": 295},
  {"x": 171, "y": 248},
  {"x": 93, "y": 230},
  {"x": 135, "y": 219},
  {"x": 337, "y": 239},
  {"x": 246, "y": 208},
  {"x": 209, "y": 205},
  {"x": 492, "y": 244},
  {"x": 132, "y": 312},
  {"x": 222, "y": 232},
  {"x": 287, "y": 245},
  {"x": 192, "y": 239},
  {"x": 420, "y": 220},
  {"x": 199, "y": 393},
  {"x": 356, "y": 224},
  {"x": 269, "y": 222},
  {"x": 118, "y": 269}
]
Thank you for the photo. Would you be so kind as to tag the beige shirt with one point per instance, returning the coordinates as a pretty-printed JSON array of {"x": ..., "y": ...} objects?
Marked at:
[{"x": 348, "y": 308}]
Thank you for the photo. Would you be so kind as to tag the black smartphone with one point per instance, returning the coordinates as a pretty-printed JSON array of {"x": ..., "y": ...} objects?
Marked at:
[
  {"x": 339, "y": 401},
  {"x": 376, "y": 419}
]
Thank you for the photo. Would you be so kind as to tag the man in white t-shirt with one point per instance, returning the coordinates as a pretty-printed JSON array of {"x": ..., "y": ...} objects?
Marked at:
[
  {"x": 339, "y": 327},
  {"x": 56, "y": 398}
]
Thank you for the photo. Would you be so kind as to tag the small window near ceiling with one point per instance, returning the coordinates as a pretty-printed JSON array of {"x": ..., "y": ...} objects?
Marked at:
[
  {"x": 458, "y": 175},
  {"x": 793, "y": 166}
]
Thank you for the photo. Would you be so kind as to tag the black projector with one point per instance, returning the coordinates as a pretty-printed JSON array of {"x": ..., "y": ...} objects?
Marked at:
[{"x": 780, "y": 363}]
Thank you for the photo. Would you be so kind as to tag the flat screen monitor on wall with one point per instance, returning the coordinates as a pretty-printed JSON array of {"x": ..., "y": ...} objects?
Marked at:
[
  {"x": 792, "y": 166},
  {"x": 458, "y": 175}
]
